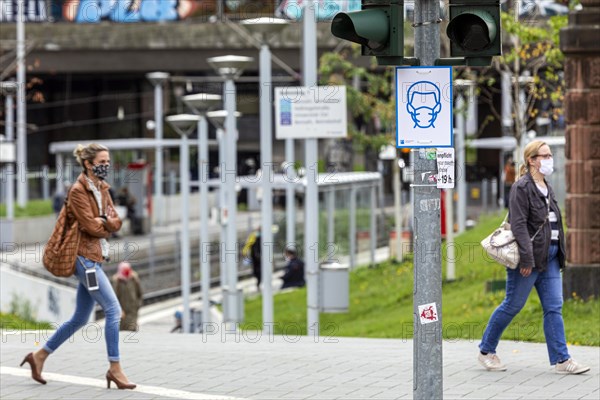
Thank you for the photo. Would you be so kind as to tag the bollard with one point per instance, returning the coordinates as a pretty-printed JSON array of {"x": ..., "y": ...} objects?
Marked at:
[{"x": 494, "y": 202}]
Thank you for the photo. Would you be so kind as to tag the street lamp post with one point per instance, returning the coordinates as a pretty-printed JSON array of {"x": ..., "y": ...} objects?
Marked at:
[
  {"x": 158, "y": 79},
  {"x": 311, "y": 151},
  {"x": 200, "y": 103},
  {"x": 22, "y": 192},
  {"x": 230, "y": 68},
  {"x": 463, "y": 85},
  {"x": 184, "y": 124},
  {"x": 218, "y": 120},
  {"x": 9, "y": 89},
  {"x": 266, "y": 28}
]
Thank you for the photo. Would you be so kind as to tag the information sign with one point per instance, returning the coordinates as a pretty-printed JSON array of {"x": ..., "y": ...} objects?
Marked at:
[
  {"x": 310, "y": 112},
  {"x": 445, "y": 166}
]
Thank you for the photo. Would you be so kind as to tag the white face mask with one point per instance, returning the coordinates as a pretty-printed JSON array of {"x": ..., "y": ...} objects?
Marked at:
[{"x": 547, "y": 166}]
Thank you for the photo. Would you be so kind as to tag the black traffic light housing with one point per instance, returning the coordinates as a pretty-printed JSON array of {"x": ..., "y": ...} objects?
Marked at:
[
  {"x": 474, "y": 30},
  {"x": 378, "y": 28}
]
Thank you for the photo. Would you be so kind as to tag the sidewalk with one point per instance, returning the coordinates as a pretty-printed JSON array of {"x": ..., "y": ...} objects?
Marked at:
[{"x": 255, "y": 365}]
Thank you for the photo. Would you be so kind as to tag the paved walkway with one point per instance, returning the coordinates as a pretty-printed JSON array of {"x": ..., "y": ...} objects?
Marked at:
[{"x": 257, "y": 365}]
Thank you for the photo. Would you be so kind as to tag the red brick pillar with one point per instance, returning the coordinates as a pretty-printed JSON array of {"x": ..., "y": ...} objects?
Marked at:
[{"x": 581, "y": 45}]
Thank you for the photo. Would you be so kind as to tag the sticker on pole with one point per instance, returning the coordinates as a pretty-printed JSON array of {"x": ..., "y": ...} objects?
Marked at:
[
  {"x": 445, "y": 166},
  {"x": 424, "y": 107},
  {"x": 428, "y": 313}
]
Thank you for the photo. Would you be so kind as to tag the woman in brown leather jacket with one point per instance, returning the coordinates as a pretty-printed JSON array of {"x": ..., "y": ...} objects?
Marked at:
[
  {"x": 536, "y": 222},
  {"x": 89, "y": 202}
]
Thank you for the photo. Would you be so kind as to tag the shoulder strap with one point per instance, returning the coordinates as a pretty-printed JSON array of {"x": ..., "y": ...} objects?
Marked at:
[{"x": 545, "y": 219}]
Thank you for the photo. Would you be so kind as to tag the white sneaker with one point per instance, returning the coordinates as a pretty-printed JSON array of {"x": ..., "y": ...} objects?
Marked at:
[
  {"x": 571, "y": 367},
  {"x": 491, "y": 362}
]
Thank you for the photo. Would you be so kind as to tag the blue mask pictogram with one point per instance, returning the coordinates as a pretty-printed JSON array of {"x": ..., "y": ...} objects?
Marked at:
[{"x": 424, "y": 104}]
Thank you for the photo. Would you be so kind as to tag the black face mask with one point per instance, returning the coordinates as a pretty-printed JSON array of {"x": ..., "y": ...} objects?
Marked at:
[{"x": 101, "y": 170}]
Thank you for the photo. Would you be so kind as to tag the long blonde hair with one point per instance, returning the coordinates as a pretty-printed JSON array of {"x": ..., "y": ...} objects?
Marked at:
[
  {"x": 88, "y": 152},
  {"x": 531, "y": 150}
]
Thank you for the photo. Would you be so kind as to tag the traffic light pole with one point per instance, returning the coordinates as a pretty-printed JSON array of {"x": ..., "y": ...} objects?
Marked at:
[{"x": 427, "y": 342}]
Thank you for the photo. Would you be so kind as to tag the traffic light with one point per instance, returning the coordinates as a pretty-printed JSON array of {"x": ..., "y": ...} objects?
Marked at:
[
  {"x": 474, "y": 30},
  {"x": 378, "y": 28}
]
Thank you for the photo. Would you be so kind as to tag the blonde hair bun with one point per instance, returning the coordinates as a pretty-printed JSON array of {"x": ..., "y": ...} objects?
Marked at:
[{"x": 88, "y": 152}]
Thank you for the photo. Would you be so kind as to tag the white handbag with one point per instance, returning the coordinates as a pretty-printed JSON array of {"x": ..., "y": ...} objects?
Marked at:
[{"x": 502, "y": 246}]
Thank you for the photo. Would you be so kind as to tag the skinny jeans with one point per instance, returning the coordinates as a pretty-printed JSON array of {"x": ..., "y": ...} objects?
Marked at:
[
  {"x": 548, "y": 285},
  {"x": 86, "y": 299}
]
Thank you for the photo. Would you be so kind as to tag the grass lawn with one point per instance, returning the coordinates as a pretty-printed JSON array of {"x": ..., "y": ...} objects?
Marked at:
[
  {"x": 381, "y": 302},
  {"x": 34, "y": 208},
  {"x": 12, "y": 322}
]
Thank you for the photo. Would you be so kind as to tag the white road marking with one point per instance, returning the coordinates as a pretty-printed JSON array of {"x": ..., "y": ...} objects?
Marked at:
[{"x": 151, "y": 390}]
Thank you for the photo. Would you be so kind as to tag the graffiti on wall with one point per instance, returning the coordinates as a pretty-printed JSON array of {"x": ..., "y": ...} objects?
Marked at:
[
  {"x": 325, "y": 9},
  {"x": 92, "y": 11},
  {"x": 89, "y": 11}
]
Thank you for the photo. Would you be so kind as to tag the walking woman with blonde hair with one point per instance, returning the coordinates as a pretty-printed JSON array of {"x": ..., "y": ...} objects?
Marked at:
[
  {"x": 533, "y": 208},
  {"x": 90, "y": 204}
]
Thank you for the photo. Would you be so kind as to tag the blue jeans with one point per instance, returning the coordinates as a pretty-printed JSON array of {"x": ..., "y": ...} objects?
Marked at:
[
  {"x": 549, "y": 288},
  {"x": 86, "y": 299}
]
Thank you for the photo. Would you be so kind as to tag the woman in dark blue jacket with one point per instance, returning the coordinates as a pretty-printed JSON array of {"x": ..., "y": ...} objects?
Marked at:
[{"x": 534, "y": 213}]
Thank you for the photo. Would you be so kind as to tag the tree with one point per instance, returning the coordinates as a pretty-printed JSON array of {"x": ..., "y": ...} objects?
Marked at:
[
  {"x": 369, "y": 95},
  {"x": 533, "y": 60}
]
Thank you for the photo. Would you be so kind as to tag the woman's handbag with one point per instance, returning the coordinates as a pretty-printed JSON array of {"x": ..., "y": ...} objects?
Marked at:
[
  {"x": 60, "y": 252},
  {"x": 502, "y": 246}
]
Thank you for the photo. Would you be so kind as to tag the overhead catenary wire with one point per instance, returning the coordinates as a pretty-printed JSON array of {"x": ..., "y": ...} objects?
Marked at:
[
  {"x": 83, "y": 100},
  {"x": 105, "y": 120}
]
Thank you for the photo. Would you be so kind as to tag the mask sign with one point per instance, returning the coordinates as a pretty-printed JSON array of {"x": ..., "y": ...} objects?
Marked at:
[{"x": 424, "y": 107}]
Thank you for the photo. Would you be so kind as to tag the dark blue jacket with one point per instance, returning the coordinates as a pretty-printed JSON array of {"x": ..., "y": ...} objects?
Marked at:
[{"x": 294, "y": 274}]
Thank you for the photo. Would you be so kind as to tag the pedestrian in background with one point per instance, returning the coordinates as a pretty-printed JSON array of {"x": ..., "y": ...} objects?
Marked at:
[
  {"x": 126, "y": 284},
  {"x": 533, "y": 207},
  {"x": 58, "y": 200},
  {"x": 90, "y": 204},
  {"x": 294, "y": 269},
  {"x": 509, "y": 178},
  {"x": 178, "y": 322},
  {"x": 126, "y": 202},
  {"x": 252, "y": 251}
]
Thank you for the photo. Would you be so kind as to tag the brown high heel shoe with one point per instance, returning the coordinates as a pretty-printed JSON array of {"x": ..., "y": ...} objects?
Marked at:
[
  {"x": 36, "y": 376},
  {"x": 110, "y": 377}
]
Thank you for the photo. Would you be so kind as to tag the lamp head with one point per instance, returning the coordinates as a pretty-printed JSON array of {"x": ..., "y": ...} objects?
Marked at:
[
  {"x": 230, "y": 67},
  {"x": 217, "y": 118},
  {"x": 183, "y": 124},
  {"x": 201, "y": 102},
  {"x": 265, "y": 26},
  {"x": 8, "y": 88},
  {"x": 157, "y": 78}
]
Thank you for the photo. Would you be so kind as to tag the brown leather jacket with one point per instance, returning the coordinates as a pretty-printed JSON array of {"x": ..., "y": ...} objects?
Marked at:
[{"x": 82, "y": 206}]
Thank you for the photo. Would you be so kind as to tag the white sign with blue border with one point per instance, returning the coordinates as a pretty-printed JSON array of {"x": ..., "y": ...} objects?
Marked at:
[
  {"x": 310, "y": 112},
  {"x": 424, "y": 107}
]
